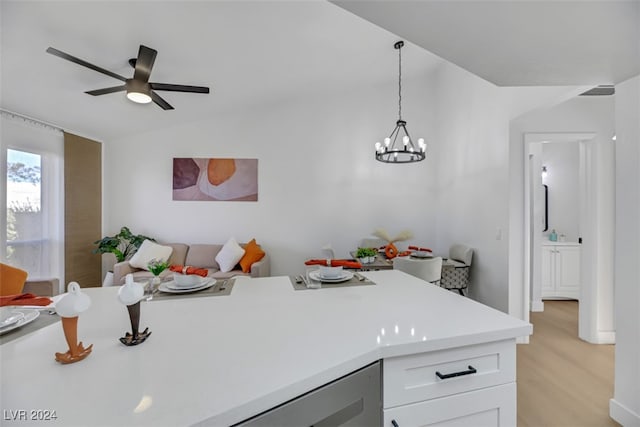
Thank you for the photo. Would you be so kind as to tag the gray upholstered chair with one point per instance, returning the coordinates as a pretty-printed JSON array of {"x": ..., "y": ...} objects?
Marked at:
[
  {"x": 456, "y": 268},
  {"x": 429, "y": 269}
]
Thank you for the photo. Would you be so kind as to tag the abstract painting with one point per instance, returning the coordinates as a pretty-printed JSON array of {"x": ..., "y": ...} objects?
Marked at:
[{"x": 215, "y": 179}]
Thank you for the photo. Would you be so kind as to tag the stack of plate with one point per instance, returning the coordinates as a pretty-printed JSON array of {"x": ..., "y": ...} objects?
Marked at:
[
  {"x": 342, "y": 277},
  {"x": 193, "y": 285}
]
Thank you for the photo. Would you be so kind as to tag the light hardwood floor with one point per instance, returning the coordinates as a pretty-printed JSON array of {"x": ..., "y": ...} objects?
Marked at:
[{"x": 562, "y": 380}]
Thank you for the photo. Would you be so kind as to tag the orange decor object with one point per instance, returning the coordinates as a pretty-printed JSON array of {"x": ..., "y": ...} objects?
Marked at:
[
  {"x": 69, "y": 307},
  {"x": 335, "y": 263},
  {"x": 11, "y": 280},
  {"x": 76, "y": 352},
  {"x": 187, "y": 269},
  {"x": 24, "y": 299},
  {"x": 252, "y": 253},
  {"x": 391, "y": 251}
]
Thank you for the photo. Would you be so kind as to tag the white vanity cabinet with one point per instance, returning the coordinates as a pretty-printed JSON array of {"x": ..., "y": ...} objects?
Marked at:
[
  {"x": 561, "y": 270},
  {"x": 466, "y": 386}
]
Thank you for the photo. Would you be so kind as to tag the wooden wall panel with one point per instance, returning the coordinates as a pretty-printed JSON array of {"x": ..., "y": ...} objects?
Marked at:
[{"x": 83, "y": 209}]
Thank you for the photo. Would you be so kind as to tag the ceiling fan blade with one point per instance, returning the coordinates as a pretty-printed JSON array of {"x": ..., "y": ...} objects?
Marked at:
[
  {"x": 179, "y": 88},
  {"x": 144, "y": 63},
  {"x": 161, "y": 102},
  {"x": 107, "y": 90},
  {"x": 79, "y": 61}
]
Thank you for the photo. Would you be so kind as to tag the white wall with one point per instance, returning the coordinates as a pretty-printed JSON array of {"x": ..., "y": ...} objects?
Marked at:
[
  {"x": 472, "y": 152},
  {"x": 625, "y": 406},
  {"x": 562, "y": 160},
  {"x": 318, "y": 180}
]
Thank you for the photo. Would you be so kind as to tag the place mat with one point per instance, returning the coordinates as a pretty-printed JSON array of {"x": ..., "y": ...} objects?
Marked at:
[
  {"x": 354, "y": 281},
  {"x": 221, "y": 288},
  {"x": 45, "y": 319}
]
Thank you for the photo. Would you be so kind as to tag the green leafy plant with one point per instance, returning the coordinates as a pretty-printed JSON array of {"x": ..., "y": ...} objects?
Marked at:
[
  {"x": 123, "y": 245},
  {"x": 366, "y": 252},
  {"x": 157, "y": 266}
]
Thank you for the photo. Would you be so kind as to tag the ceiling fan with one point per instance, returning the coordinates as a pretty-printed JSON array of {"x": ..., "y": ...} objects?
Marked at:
[{"x": 138, "y": 88}]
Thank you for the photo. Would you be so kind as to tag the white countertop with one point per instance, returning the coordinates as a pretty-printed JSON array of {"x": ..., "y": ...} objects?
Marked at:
[{"x": 219, "y": 360}]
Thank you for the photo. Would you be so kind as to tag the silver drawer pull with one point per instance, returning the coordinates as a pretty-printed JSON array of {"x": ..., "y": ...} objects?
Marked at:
[{"x": 471, "y": 370}]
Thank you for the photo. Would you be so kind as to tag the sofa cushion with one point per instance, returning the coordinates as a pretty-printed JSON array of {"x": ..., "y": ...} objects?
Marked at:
[
  {"x": 203, "y": 256},
  {"x": 229, "y": 255},
  {"x": 149, "y": 250},
  {"x": 179, "y": 254},
  {"x": 252, "y": 253}
]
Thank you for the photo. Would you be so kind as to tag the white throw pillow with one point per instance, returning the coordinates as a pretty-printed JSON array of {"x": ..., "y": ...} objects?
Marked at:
[
  {"x": 229, "y": 256},
  {"x": 150, "y": 250}
]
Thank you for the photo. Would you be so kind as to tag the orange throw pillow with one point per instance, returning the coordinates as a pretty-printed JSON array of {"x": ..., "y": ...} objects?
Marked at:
[
  {"x": 11, "y": 280},
  {"x": 252, "y": 253}
]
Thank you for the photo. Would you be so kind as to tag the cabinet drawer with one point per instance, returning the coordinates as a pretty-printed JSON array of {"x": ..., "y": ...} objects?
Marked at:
[
  {"x": 409, "y": 379},
  {"x": 493, "y": 406}
]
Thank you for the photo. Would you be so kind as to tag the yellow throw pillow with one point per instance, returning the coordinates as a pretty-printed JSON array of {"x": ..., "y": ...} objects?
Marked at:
[
  {"x": 252, "y": 253},
  {"x": 11, "y": 280}
]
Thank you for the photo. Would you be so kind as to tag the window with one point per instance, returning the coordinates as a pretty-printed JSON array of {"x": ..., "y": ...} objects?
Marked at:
[
  {"x": 25, "y": 230},
  {"x": 31, "y": 178}
]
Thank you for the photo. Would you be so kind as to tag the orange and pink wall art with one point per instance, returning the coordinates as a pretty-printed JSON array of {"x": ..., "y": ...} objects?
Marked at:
[{"x": 215, "y": 179}]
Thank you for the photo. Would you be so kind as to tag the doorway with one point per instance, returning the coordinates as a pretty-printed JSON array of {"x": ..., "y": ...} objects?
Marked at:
[{"x": 595, "y": 176}]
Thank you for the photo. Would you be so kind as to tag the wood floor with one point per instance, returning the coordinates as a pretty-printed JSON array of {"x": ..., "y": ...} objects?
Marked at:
[{"x": 562, "y": 380}]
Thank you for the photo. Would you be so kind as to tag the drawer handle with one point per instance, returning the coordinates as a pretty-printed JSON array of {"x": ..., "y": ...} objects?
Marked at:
[
  {"x": 394, "y": 423},
  {"x": 471, "y": 370}
]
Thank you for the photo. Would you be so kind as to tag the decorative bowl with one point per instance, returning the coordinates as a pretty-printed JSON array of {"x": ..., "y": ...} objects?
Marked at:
[
  {"x": 187, "y": 280},
  {"x": 330, "y": 272}
]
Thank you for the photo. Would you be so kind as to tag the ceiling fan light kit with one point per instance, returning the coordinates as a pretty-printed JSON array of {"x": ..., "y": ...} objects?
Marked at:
[
  {"x": 138, "y": 88},
  {"x": 138, "y": 91}
]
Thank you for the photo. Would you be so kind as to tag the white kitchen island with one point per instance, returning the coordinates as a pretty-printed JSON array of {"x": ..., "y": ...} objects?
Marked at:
[{"x": 221, "y": 360}]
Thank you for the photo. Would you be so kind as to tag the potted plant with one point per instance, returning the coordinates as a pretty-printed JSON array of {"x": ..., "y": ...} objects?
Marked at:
[
  {"x": 123, "y": 245},
  {"x": 366, "y": 255}
]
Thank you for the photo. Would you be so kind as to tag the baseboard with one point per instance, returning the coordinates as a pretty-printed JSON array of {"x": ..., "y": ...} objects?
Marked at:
[
  {"x": 607, "y": 337},
  {"x": 622, "y": 414},
  {"x": 537, "y": 305}
]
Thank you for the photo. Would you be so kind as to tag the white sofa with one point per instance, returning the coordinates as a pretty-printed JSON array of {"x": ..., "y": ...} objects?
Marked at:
[{"x": 197, "y": 255}]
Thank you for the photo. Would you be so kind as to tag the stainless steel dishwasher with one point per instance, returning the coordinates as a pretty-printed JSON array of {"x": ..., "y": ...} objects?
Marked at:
[{"x": 353, "y": 400}]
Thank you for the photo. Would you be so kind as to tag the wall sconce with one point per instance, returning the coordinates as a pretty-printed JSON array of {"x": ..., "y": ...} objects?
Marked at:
[{"x": 544, "y": 172}]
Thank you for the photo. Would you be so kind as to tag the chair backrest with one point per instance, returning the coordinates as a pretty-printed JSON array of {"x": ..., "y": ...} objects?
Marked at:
[
  {"x": 429, "y": 269},
  {"x": 11, "y": 280},
  {"x": 461, "y": 253}
]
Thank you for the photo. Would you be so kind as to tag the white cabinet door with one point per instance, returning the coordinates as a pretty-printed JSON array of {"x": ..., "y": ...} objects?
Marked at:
[
  {"x": 548, "y": 278},
  {"x": 568, "y": 271},
  {"x": 492, "y": 406}
]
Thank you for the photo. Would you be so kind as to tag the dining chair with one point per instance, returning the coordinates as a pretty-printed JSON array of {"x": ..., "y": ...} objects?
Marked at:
[
  {"x": 456, "y": 268},
  {"x": 429, "y": 269}
]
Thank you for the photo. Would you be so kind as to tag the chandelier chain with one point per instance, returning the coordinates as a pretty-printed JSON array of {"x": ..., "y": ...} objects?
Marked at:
[{"x": 400, "y": 83}]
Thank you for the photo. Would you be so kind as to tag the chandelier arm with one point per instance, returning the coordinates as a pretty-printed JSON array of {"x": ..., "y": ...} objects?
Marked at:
[{"x": 410, "y": 140}]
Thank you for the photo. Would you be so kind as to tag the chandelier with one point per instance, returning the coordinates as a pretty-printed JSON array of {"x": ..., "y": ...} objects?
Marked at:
[{"x": 399, "y": 148}]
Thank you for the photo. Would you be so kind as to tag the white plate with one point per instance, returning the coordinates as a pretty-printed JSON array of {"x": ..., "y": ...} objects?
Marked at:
[
  {"x": 172, "y": 284},
  {"x": 422, "y": 254},
  {"x": 29, "y": 316},
  {"x": 164, "y": 288},
  {"x": 346, "y": 275}
]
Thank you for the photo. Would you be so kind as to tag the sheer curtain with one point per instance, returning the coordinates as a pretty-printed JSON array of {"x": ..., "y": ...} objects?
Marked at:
[{"x": 31, "y": 196}]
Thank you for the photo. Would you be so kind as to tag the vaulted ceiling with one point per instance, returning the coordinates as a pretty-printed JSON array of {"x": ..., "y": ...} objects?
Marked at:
[{"x": 257, "y": 53}]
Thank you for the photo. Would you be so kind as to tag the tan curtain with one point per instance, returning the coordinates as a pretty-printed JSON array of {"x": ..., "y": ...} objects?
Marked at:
[{"x": 83, "y": 209}]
